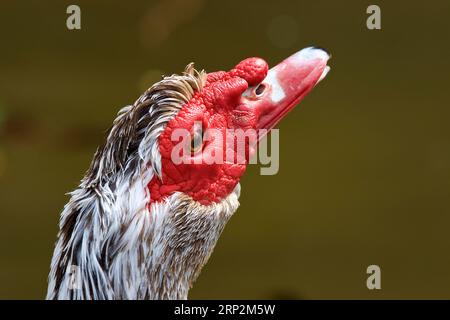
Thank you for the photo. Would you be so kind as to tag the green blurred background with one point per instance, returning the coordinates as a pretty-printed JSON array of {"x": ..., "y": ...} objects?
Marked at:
[{"x": 364, "y": 164}]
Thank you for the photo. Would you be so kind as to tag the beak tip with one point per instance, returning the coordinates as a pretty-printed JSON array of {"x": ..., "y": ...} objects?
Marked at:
[
  {"x": 311, "y": 53},
  {"x": 323, "y": 49}
]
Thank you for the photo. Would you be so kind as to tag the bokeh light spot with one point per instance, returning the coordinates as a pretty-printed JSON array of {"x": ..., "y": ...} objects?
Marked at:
[{"x": 282, "y": 31}]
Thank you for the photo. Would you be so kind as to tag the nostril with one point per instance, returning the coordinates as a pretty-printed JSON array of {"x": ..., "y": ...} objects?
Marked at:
[{"x": 260, "y": 89}]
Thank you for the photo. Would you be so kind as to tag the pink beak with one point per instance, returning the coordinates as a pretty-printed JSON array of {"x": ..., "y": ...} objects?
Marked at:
[{"x": 286, "y": 85}]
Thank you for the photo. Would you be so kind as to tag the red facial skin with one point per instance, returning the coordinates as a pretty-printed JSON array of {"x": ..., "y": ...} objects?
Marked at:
[
  {"x": 221, "y": 105},
  {"x": 216, "y": 107}
]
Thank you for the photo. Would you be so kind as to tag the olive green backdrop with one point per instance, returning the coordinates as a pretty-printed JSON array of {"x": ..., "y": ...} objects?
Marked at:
[{"x": 364, "y": 162}]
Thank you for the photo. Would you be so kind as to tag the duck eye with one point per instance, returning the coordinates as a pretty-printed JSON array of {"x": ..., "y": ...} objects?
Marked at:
[
  {"x": 260, "y": 89},
  {"x": 196, "y": 142}
]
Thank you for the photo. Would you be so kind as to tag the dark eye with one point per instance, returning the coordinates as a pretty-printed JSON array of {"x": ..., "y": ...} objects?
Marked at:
[
  {"x": 196, "y": 142},
  {"x": 260, "y": 89}
]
